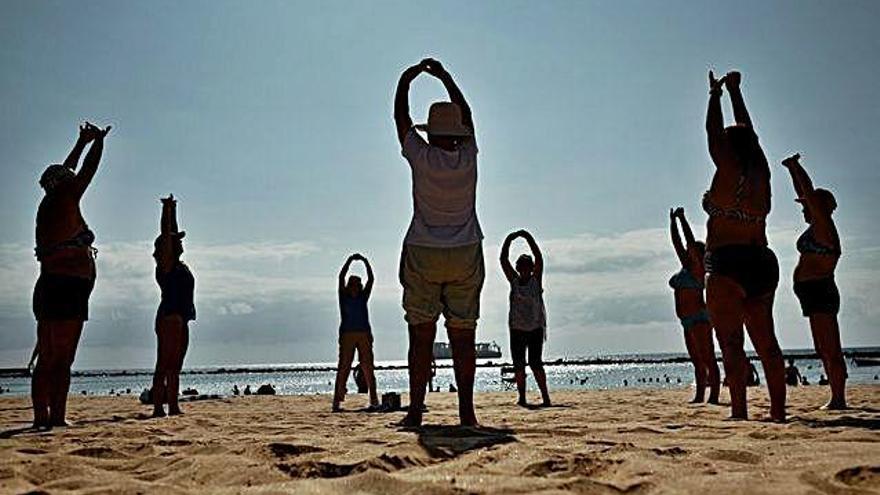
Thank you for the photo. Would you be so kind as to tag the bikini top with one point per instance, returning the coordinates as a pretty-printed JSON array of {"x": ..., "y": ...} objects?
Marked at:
[
  {"x": 807, "y": 244},
  {"x": 684, "y": 279},
  {"x": 737, "y": 211},
  {"x": 85, "y": 238}
]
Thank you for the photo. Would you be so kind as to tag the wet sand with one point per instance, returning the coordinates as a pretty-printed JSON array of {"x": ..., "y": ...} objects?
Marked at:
[{"x": 632, "y": 441}]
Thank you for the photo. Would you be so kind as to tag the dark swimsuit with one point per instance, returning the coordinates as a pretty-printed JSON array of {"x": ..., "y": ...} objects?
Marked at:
[
  {"x": 819, "y": 295},
  {"x": 177, "y": 288},
  {"x": 63, "y": 297},
  {"x": 684, "y": 279}
]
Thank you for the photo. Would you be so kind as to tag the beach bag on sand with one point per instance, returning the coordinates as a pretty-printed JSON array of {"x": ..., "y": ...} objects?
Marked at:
[{"x": 391, "y": 401}]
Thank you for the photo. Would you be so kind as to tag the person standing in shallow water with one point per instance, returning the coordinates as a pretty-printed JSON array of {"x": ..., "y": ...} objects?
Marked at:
[
  {"x": 176, "y": 310},
  {"x": 441, "y": 264},
  {"x": 814, "y": 285},
  {"x": 527, "y": 319},
  {"x": 691, "y": 308},
  {"x": 743, "y": 272},
  {"x": 354, "y": 330},
  {"x": 67, "y": 275}
]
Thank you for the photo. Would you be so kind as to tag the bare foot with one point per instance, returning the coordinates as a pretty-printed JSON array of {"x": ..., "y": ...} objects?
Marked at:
[
  {"x": 469, "y": 420},
  {"x": 60, "y": 423},
  {"x": 159, "y": 413},
  {"x": 522, "y": 403},
  {"x": 174, "y": 411},
  {"x": 411, "y": 420},
  {"x": 835, "y": 406},
  {"x": 546, "y": 403}
]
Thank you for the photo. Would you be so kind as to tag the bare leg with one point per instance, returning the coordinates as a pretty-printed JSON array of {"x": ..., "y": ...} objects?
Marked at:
[
  {"x": 826, "y": 338},
  {"x": 365, "y": 356},
  {"x": 40, "y": 381},
  {"x": 159, "y": 391},
  {"x": 706, "y": 345},
  {"x": 343, "y": 368},
  {"x": 64, "y": 339},
  {"x": 724, "y": 301},
  {"x": 519, "y": 376},
  {"x": 690, "y": 340},
  {"x": 180, "y": 331},
  {"x": 541, "y": 378},
  {"x": 759, "y": 323},
  {"x": 464, "y": 362},
  {"x": 421, "y": 349}
]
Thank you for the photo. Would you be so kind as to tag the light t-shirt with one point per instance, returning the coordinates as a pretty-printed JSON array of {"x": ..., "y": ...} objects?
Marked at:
[{"x": 444, "y": 188}]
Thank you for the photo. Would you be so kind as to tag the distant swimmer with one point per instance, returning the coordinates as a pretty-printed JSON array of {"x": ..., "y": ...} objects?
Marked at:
[
  {"x": 176, "y": 310},
  {"x": 527, "y": 319},
  {"x": 690, "y": 307},
  {"x": 67, "y": 275},
  {"x": 814, "y": 284},
  {"x": 441, "y": 263},
  {"x": 743, "y": 272},
  {"x": 355, "y": 332},
  {"x": 793, "y": 376}
]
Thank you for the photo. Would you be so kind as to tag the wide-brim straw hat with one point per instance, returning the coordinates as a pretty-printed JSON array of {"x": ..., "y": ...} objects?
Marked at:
[{"x": 444, "y": 119}]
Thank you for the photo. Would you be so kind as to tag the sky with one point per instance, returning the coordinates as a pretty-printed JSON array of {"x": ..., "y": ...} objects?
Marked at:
[{"x": 271, "y": 122}]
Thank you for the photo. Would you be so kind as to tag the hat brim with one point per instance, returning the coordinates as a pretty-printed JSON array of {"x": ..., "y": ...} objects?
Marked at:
[{"x": 459, "y": 132}]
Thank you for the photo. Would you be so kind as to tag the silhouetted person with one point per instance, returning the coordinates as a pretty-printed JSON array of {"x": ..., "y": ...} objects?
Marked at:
[
  {"x": 441, "y": 265},
  {"x": 752, "y": 377},
  {"x": 527, "y": 319},
  {"x": 67, "y": 275},
  {"x": 690, "y": 307},
  {"x": 743, "y": 271},
  {"x": 354, "y": 330},
  {"x": 793, "y": 376},
  {"x": 176, "y": 310},
  {"x": 360, "y": 379},
  {"x": 814, "y": 285},
  {"x": 823, "y": 380}
]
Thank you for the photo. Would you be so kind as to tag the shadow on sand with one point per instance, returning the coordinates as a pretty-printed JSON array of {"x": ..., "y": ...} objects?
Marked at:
[{"x": 446, "y": 442}]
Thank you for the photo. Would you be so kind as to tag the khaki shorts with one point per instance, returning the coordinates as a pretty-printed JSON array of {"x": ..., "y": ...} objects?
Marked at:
[{"x": 442, "y": 280}]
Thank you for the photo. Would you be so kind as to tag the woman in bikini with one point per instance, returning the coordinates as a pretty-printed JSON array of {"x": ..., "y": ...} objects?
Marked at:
[
  {"x": 691, "y": 308},
  {"x": 742, "y": 270},
  {"x": 814, "y": 285},
  {"x": 176, "y": 310},
  {"x": 67, "y": 275}
]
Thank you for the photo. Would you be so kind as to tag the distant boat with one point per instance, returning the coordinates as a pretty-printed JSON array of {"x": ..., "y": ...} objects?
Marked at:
[
  {"x": 484, "y": 350},
  {"x": 866, "y": 362}
]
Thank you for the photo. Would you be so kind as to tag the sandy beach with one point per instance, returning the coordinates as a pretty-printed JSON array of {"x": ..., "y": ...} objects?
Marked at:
[{"x": 635, "y": 441}]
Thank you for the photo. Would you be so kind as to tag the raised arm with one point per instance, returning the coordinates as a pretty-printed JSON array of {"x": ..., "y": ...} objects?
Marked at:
[
  {"x": 168, "y": 224},
  {"x": 715, "y": 118},
  {"x": 436, "y": 69},
  {"x": 536, "y": 253},
  {"x": 402, "y": 119},
  {"x": 685, "y": 227},
  {"x": 86, "y": 134},
  {"x": 368, "y": 289},
  {"x": 504, "y": 257},
  {"x": 93, "y": 158},
  {"x": 676, "y": 238},
  {"x": 343, "y": 272},
  {"x": 803, "y": 186},
  {"x": 740, "y": 114}
]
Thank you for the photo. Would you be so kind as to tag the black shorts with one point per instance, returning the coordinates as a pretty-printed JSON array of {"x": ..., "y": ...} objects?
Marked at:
[
  {"x": 520, "y": 341},
  {"x": 818, "y": 296},
  {"x": 61, "y": 297},
  {"x": 754, "y": 268}
]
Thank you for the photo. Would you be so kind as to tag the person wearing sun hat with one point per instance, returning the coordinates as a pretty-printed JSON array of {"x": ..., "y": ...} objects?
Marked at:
[
  {"x": 176, "y": 310},
  {"x": 67, "y": 275},
  {"x": 441, "y": 264},
  {"x": 814, "y": 285}
]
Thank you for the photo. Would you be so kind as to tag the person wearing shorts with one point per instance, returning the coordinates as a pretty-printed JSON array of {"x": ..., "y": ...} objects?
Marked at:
[{"x": 441, "y": 264}]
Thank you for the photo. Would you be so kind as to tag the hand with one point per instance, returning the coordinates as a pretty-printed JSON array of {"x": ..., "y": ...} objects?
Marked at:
[
  {"x": 715, "y": 84},
  {"x": 732, "y": 80},
  {"x": 356, "y": 257},
  {"x": 679, "y": 212},
  {"x": 86, "y": 132},
  {"x": 169, "y": 200},
  {"x": 792, "y": 160},
  {"x": 413, "y": 71},
  {"x": 671, "y": 214},
  {"x": 103, "y": 132},
  {"x": 433, "y": 67}
]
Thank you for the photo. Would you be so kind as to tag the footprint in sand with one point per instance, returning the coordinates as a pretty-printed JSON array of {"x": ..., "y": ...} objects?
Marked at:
[
  {"x": 98, "y": 453},
  {"x": 861, "y": 476},
  {"x": 32, "y": 451},
  {"x": 740, "y": 456},
  {"x": 284, "y": 450},
  {"x": 322, "y": 469}
]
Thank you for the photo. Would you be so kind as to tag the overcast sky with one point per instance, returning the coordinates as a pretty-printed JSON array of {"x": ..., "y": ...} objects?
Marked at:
[{"x": 272, "y": 124}]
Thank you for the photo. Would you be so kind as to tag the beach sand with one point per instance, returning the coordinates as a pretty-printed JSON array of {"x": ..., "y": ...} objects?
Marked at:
[{"x": 630, "y": 441}]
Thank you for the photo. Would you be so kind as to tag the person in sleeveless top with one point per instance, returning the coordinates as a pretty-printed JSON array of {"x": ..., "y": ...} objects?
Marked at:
[
  {"x": 176, "y": 310},
  {"x": 527, "y": 319},
  {"x": 67, "y": 275},
  {"x": 355, "y": 332},
  {"x": 814, "y": 285},
  {"x": 441, "y": 263},
  {"x": 743, "y": 272},
  {"x": 690, "y": 307}
]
